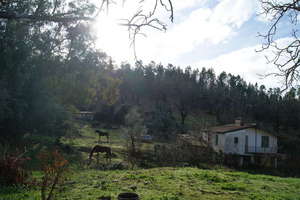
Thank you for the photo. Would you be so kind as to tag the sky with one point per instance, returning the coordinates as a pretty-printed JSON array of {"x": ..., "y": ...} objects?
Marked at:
[{"x": 218, "y": 34}]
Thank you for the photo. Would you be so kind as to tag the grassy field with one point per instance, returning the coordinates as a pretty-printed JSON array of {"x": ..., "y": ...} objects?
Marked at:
[
  {"x": 170, "y": 184},
  {"x": 167, "y": 183}
]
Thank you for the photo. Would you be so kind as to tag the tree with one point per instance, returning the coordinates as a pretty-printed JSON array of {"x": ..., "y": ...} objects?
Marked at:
[
  {"x": 64, "y": 13},
  {"x": 61, "y": 11},
  {"x": 286, "y": 56},
  {"x": 134, "y": 130}
]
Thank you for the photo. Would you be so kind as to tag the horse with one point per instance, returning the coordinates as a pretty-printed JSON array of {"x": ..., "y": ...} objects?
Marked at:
[
  {"x": 102, "y": 133},
  {"x": 100, "y": 149}
]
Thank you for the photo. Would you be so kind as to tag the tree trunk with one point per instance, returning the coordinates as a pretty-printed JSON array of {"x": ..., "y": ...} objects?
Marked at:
[
  {"x": 133, "y": 144},
  {"x": 183, "y": 117}
]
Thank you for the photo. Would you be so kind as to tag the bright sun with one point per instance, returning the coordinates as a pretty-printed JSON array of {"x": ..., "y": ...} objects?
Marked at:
[{"x": 112, "y": 37}]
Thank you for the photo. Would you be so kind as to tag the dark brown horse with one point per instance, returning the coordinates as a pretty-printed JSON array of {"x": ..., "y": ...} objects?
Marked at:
[
  {"x": 102, "y": 133},
  {"x": 100, "y": 149}
]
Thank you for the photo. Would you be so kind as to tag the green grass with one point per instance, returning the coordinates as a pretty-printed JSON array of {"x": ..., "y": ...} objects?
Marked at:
[
  {"x": 168, "y": 183},
  {"x": 19, "y": 193},
  {"x": 181, "y": 183}
]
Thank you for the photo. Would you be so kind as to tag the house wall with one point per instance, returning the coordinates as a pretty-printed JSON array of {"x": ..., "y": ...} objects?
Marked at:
[
  {"x": 221, "y": 142},
  {"x": 254, "y": 142},
  {"x": 238, "y": 148}
]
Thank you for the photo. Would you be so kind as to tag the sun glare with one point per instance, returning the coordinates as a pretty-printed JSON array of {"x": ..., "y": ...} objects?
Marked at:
[{"x": 113, "y": 38}]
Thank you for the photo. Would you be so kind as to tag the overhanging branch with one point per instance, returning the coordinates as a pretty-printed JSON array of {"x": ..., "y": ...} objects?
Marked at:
[{"x": 49, "y": 18}]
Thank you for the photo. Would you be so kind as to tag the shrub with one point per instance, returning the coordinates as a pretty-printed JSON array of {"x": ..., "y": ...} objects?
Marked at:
[
  {"x": 54, "y": 167},
  {"x": 12, "y": 171}
]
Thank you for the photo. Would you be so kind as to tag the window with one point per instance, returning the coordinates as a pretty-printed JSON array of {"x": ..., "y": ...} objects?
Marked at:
[
  {"x": 265, "y": 141},
  {"x": 236, "y": 140},
  {"x": 217, "y": 139}
]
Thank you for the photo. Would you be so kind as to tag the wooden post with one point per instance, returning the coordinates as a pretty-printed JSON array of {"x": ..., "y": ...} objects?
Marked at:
[
  {"x": 241, "y": 161},
  {"x": 275, "y": 162},
  {"x": 252, "y": 160}
]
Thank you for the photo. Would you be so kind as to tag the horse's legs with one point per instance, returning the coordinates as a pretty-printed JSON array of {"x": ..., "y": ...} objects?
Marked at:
[{"x": 97, "y": 159}]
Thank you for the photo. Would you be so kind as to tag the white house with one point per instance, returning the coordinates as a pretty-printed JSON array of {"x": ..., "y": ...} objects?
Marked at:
[{"x": 242, "y": 139}]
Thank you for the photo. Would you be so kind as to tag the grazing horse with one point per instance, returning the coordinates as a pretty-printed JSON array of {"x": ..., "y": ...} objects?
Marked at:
[
  {"x": 102, "y": 133},
  {"x": 100, "y": 149}
]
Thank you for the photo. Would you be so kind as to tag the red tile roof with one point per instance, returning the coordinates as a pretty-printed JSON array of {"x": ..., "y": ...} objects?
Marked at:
[{"x": 230, "y": 128}]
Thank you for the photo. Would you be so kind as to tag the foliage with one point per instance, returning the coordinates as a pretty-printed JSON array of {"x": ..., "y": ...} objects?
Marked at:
[
  {"x": 105, "y": 114},
  {"x": 12, "y": 168},
  {"x": 54, "y": 168},
  {"x": 161, "y": 122},
  {"x": 48, "y": 67},
  {"x": 184, "y": 153}
]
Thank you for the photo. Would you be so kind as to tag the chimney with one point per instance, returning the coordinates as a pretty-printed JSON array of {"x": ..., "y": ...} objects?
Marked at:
[{"x": 238, "y": 121}]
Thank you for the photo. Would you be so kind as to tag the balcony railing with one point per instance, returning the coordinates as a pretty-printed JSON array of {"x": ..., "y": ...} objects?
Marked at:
[
  {"x": 256, "y": 149},
  {"x": 241, "y": 149}
]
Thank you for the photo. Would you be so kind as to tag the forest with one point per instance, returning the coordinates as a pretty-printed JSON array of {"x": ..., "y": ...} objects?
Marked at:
[{"x": 50, "y": 68}]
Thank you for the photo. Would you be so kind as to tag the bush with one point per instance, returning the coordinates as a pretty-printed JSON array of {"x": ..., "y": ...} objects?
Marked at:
[
  {"x": 12, "y": 171},
  {"x": 54, "y": 167}
]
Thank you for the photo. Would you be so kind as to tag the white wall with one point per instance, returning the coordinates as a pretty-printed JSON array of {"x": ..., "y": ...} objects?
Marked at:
[
  {"x": 221, "y": 142},
  {"x": 226, "y": 142},
  {"x": 254, "y": 142},
  {"x": 239, "y": 148}
]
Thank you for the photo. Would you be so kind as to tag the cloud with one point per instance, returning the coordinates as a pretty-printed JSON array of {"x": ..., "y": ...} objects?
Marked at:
[
  {"x": 234, "y": 12},
  {"x": 203, "y": 25},
  {"x": 184, "y": 37},
  {"x": 180, "y": 5},
  {"x": 252, "y": 66}
]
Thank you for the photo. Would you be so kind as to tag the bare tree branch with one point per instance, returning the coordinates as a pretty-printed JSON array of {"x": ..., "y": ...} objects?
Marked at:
[
  {"x": 285, "y": 57},
  {"x": 141, "y": 20},
  {"x": 50, "y": 18}
]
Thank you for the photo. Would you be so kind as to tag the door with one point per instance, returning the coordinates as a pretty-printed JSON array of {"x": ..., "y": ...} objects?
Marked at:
[{"x": 246, "y": 144}]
